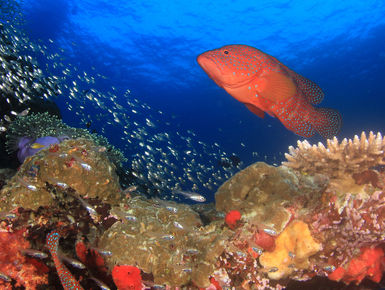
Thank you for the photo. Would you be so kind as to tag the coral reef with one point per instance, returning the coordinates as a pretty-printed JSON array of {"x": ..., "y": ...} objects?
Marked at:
[
  {"x": 165, "y": 239},
  {"x": 35, "y": 126},
  {"x": 309, "y": 219},
  {"x": 271, "y": 226},
  {"x": 74, "y": 164},
  {"x": 338, "y": 158},
  {"x": 348, "y": 165},
  {"x": 347, "y": 231},
  {"x": 23, "y": 87},
  {"x": 267, "y": 195},
  {"x": 68, "y": 187},
  {"x": 16, "y": 269}
]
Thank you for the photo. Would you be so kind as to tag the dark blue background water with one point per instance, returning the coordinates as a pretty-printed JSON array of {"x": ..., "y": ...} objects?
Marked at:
[{"x": 150, "y": 47}]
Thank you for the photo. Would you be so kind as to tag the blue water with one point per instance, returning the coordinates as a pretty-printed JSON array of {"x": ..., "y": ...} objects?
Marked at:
[{"x": 150, "y": 48}]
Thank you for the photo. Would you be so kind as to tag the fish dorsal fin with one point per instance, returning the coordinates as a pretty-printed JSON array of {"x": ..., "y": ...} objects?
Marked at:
[
  {"x": 276, "y": 86},
  {"x": 255, "y": 110},
  {"x": 313, "y": 93}
]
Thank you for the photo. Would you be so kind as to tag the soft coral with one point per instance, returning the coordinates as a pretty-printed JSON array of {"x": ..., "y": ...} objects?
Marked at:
[{"x": 16, "y": 266}]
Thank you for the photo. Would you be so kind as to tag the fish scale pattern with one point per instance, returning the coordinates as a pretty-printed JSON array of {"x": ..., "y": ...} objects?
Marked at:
[
  {"x": 66, "y": 278},
  {"x": 264, "y": 84}
]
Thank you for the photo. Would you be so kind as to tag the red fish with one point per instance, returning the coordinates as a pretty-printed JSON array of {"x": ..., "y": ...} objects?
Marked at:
[
  {"x": 264, "y": 84},
  {"x": 66, "y": 279}
]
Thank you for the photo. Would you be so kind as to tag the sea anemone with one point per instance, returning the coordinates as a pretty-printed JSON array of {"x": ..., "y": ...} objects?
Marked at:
[{"x": 43, "y": 129}]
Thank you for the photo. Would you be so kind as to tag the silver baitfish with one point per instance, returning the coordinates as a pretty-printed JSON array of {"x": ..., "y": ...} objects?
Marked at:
[
  {"x": 34, "y": 253},
  {"x": 191, "y": 195}
]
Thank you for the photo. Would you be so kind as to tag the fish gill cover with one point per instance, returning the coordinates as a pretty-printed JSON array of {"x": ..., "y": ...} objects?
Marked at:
[{"x": 125, "y": 76}]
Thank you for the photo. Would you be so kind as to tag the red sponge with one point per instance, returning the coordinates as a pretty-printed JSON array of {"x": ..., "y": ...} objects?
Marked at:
[
  {"x": 127, "y": 277},
  {"x": 232, "y": 217}
]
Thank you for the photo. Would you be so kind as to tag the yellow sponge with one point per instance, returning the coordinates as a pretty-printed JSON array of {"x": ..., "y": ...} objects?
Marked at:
[{"x": 293, "y": 247}]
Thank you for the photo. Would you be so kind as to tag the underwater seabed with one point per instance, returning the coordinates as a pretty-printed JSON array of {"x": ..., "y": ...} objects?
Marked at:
[{"x": 319, "y": 218}]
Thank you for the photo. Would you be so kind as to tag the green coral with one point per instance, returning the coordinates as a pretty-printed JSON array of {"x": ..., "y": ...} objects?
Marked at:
[{"x": 38, "y": 125}]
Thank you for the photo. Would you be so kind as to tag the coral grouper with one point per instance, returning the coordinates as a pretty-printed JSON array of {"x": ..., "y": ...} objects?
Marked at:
[
  {"x": 264, "y": 84},
  {"x": 66, "y": 278}
]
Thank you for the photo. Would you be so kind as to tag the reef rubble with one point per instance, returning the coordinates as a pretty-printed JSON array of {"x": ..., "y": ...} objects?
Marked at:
[{"x": 270, "y": 226}]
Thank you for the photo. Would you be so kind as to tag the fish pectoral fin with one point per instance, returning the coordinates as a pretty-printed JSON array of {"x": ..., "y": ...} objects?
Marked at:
[
  {"x": 255, "y": 110},
  {"x": 276, "y": 86}
]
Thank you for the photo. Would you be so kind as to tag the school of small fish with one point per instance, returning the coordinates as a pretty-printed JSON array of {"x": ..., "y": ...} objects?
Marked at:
[{"x": 169, "y": 160}]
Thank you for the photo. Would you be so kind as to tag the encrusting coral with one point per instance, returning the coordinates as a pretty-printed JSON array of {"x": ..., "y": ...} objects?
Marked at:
[
  {"x": 165, "y": 239},
  {"x": 264, "y": 194},
  {"x": 73, "y": 164}
]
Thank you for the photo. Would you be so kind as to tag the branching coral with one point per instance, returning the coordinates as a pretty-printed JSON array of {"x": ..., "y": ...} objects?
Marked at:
[{"x": 338, "y": 159}]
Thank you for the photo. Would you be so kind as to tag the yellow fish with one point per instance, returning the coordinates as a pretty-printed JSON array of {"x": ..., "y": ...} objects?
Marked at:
[{"x": 36, "y": 146}]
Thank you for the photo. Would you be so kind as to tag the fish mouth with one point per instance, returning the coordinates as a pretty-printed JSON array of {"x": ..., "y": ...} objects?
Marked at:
[
  {"x": 223, "y": 80},
  {"x": 211, "y": 68}
]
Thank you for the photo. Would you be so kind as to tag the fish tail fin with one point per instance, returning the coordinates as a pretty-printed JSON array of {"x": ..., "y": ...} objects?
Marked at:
[{"x": 328, "y": 122}]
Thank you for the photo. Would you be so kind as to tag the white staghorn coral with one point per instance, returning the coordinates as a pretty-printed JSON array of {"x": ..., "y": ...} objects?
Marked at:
[{"x": 338, "y": 159}]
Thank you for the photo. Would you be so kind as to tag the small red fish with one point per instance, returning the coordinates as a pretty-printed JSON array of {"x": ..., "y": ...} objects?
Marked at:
[
  {"x": 264, "y": 84},
  {"x": 67, "y": 280}
]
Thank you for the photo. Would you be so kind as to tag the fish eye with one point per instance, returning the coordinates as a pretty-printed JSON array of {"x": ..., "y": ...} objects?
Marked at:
[{"x": 226, "y": 52}]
